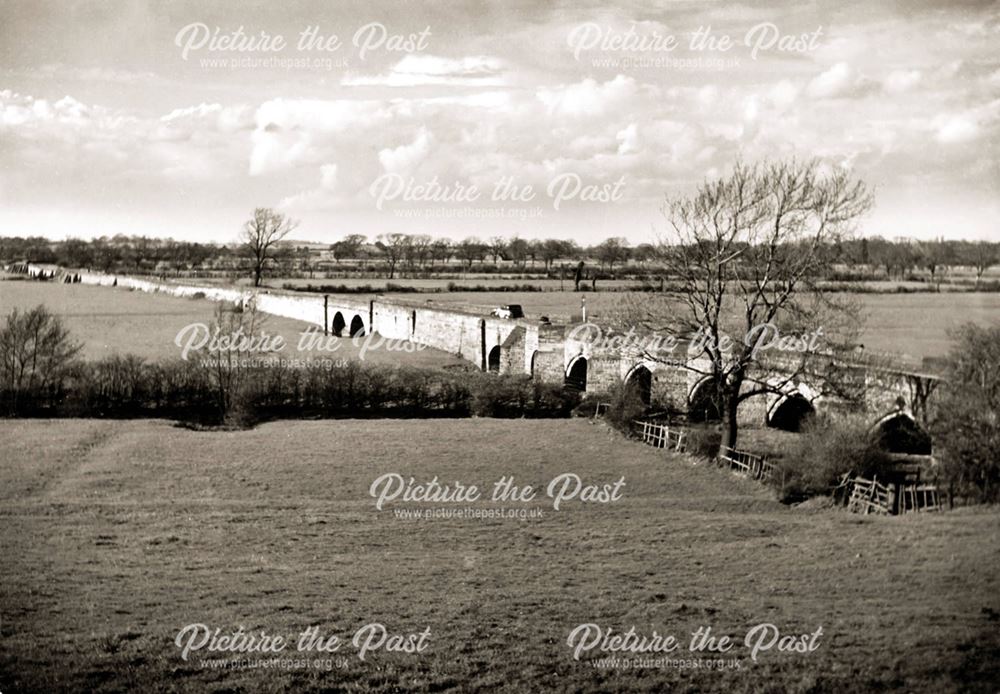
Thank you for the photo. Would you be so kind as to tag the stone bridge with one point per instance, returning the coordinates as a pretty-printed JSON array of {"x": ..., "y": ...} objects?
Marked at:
[{"x": 553, "y": 353}]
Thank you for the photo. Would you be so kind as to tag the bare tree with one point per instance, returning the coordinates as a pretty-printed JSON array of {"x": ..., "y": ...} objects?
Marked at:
[
  {"x": 981, "y": 255},
  {"x": 518, "y": 249},
  {"x": 396, "y": 247},
  {"x": 747, "y": 251},
  {"x": 441, "y": 250},
  {"x": 36, "y": 356},
  {"x": 611, "y": 251},
  {"x": 497, "y": 246},
  {"x": 260, "y": 235},
  {"x": 469, "y": 250}
]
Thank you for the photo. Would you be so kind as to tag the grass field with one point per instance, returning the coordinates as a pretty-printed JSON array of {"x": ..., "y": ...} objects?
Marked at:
[
  {"x": 118, "y": 321},
  {"x": 913, "y": 324},
  {"x": 116, "y": 534}
]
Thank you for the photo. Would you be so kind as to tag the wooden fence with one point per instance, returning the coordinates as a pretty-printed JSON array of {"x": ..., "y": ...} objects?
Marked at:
[
  {"x": 868, "y": 496},
  {"x": 753, "y": 466},
  {"x": 914, "y": 498},
  {"x": 661, "y": 436}
]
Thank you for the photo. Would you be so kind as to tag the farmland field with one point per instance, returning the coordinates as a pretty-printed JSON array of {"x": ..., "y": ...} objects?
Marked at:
[
  {"x": 117, "y": 534},
  {"x": 118, "y": 321},
  {"x": 913, "y": 324}
]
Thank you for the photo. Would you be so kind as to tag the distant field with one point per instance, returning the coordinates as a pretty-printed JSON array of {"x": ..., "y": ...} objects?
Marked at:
[
  {"x": 116, "y": 534},
  {"x": 913, "y": 324},
  {"x": 118, "y": 321}
]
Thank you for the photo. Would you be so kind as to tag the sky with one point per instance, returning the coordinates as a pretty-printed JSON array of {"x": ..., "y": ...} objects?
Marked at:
[{"x": 571, "y": 120}]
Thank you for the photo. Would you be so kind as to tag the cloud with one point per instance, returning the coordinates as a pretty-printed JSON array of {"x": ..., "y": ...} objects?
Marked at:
[
  {"x": 841, "y": 81},
  {"x": 291, "y": 132},
  {"x": 405, "y": 158},
  {"x": 957, "y": 129},
  {"x": 899, "y": 81},
  {"x": 422, "y": 70},
  {"x": 831, "y": 83},
  {"x": 589, "y": 97},
  {"x": 323, "y": 197},
  {"x": 628, "y": 139}
]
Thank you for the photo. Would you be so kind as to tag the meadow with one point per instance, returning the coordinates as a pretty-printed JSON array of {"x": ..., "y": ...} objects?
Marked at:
[
  {"x": 111, "y": 321},
  {"x": 117, "y": 534},
  {"x": 913, "y": 324}
]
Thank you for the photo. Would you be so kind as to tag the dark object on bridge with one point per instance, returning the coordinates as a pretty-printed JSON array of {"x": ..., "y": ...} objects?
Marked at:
[
  {"x": 544, "y": 320},
  {"x": 508, "y": 311}
]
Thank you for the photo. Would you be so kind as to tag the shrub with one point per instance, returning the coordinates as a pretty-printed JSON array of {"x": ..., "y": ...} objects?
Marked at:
[
  {"x": 500, "y": 396},
  {"x": 624, "y": 406},
  {"x": 704, "y": 441},
  {"x": 553, "y": 400},
  {"x": 827, "y": 449}
]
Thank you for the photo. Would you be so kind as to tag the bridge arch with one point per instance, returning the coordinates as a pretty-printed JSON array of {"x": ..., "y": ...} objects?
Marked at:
[
  {"x": 531, "y": 363},
  {"x": 338, "y": 325},
  {"x": 493, "y": 360},
  {"x": 701, "y": 402},
  {"x": 576, "y": 374},
  {"x": 357, "y": 326},
  {"x": 639, "y": 380},
  {"x": 899, "y": 432},
  {"x": 790, "y": 411}
]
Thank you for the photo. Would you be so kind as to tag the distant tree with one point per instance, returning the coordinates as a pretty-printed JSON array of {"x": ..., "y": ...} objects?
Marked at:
[
  {"x": 260, "y": 236},
  {"x": 441, "y": 251},
  {"x": 518, "y": 249},
  {"x": 981, "y": 256},
  {"x": 469, "y": 250},
  {"x": 420, "y": 249},
  {"x": 936, "y": 257},
  {"x": 534, "y": 250},
  {"x": 349, "y": 246},
  {"x": 395, "y": 246},
  {"x": 644, "y": 252},
  {"x": 75, "y": 253},
  {"x": 497, "y": 246},
  {"x": 612, "y": 251},
  {"x": 551, "y": 250}
]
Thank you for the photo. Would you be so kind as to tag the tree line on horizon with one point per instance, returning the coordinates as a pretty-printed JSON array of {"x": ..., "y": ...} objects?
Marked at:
[{"x": 398, "y": 252}]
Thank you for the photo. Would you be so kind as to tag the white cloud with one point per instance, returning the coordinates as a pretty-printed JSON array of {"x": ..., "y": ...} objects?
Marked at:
[
  {"x": 831, "y": 83},
  {"x": 405, "y": 158},
  {"x": 628, "y": 139},
  {"x": 589, "y": 97},
  {"x": 420, "y": 70},
  {"x": 899, "y": 81},
  {"x": 957, "y": 129}
]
